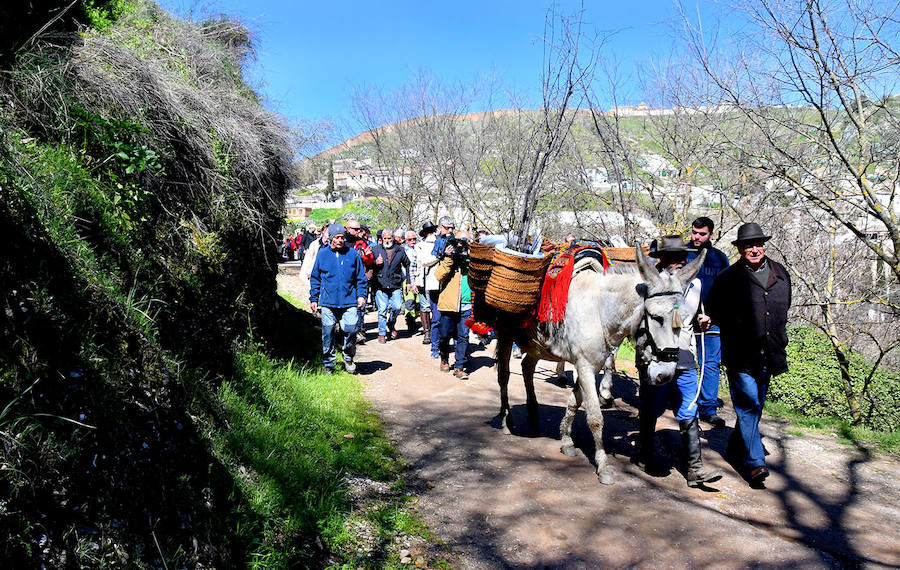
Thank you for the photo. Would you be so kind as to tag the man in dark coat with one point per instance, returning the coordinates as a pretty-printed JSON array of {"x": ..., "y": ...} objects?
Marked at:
[
  {"x": 709, "y": 347},
  {"x": 309, "y": 236},
  {"x": 391, "y": 271},
  {"x": 749, "y": 302}
]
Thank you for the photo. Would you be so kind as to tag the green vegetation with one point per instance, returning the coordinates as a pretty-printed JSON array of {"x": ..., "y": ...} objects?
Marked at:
[
  {"x": 159, "y": 403},
  {"x": 812, "y": 385},
  {"x": 887, "y": 441},
  {"x": 370, "y": 212},
  {"x": 626, "y": 350},
  {"x": 297, "y": 439}
]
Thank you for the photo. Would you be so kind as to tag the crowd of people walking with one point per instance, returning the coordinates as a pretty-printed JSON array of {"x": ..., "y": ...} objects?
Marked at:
[
  {"x": 422, "y": 276},
  {"x": 731, "y": 314}
]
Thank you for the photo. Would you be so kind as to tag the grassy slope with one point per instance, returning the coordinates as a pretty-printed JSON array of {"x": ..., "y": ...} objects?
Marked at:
[{"x": 141, "y": 426}]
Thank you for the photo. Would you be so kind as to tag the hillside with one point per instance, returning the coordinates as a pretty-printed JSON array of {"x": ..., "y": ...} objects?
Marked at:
[{"x": 142, "y": 187}]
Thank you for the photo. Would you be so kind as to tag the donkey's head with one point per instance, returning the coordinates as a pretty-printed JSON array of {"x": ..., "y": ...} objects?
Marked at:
[{"x": 656, "y": 339}]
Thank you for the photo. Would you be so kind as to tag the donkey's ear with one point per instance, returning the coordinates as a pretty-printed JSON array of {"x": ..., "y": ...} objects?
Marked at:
[
  {"x": 689, "y": 271},
  {"x": 645, "y": 267}
]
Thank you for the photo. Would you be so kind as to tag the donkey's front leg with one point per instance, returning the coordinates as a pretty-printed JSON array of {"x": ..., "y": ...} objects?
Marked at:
[
  {"x": 504, "y": 351},
  {"x": 594, "y": 418}
]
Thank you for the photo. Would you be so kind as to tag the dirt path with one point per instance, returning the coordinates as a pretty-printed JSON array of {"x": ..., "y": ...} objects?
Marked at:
[{"x": 516, "y": 501}]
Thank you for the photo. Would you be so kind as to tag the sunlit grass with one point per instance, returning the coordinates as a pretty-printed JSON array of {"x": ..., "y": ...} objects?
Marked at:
[
  {"x": 295, "y": 433},
  {"x": 848, "y": 434}
]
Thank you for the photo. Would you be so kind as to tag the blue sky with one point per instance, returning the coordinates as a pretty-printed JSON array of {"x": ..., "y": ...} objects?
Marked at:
[{"x": 312, "y": 55}]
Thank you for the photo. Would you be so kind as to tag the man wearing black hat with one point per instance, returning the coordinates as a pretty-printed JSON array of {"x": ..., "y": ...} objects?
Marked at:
[
  {"x": 749, "y": 301},
  {"x": 682, "y": 392}
]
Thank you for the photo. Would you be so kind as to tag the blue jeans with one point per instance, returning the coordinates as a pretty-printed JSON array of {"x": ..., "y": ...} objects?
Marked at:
[
  {"x": 435, "y": 322},
  {"x": 388, "y": 303},
  {"x": 347, "y": 318},
  {"x": 424, "y": 303},
  {"x": 748, "y": 395},
  {"x": 710, "y": 356},
  {"x": 453, "y": 325},
  {"x": 677, "y": 395}
]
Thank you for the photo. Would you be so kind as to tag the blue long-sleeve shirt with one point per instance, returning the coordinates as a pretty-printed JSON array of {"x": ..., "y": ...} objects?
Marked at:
[
  {"x": 338, "y": 278},
  {"x": 715, "y": 263}
]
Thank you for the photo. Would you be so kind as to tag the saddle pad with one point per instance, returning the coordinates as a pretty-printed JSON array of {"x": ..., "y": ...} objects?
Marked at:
[{"x": 591, "y": 258}]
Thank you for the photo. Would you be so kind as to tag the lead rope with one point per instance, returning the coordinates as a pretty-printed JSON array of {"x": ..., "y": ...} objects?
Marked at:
[{"x": 700, "y": 379}]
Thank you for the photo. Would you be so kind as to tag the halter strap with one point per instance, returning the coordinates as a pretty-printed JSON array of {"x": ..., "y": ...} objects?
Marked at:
[{"x": 660, "y": 354}]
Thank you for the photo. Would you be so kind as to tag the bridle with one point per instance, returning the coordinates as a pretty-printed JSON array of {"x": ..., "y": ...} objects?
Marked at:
[{"x": 668, "y": 354}]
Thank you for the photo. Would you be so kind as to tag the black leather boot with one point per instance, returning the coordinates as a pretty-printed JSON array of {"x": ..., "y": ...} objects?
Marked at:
[
  {"x": 696, "y": 474},
  {"x": 646, "y": 437}
]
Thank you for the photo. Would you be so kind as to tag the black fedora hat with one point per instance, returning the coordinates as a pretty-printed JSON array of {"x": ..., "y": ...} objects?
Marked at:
[
  {"x": 669, "y": 244},
  {"x": 750, "y": 232},
  {"x": 427, "y": 228}
]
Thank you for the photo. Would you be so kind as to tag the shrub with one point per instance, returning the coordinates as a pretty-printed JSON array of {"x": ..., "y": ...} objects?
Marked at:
[{"x": 812, "y": 386}]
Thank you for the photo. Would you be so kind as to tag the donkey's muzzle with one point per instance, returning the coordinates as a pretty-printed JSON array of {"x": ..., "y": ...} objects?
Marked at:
[{"x": 667, "y": 354}]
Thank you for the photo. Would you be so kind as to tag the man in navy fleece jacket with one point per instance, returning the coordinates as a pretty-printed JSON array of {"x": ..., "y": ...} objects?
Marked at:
[{"x": 337, "y": 287}]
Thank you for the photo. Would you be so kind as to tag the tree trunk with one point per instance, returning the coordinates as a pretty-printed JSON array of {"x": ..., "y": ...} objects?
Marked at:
[{"x": 846, "y": 384}]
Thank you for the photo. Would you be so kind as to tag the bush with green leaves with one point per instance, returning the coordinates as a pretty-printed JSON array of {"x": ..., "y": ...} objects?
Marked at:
[{"x": 812, "y": 385}]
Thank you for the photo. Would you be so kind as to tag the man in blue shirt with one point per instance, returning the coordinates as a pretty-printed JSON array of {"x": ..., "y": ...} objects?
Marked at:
[
  {"x": 710, "y": 350},
  {"x": 337, "y": 287}
]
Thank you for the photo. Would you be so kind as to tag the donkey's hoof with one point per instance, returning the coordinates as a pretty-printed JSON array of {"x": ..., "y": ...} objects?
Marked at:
[
  {"x": 569, "y": 450},
  {"x": 605, "y": 475}
]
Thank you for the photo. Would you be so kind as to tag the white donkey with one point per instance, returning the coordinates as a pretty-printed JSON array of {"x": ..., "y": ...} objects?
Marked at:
[{"x": 628, "y": 301}]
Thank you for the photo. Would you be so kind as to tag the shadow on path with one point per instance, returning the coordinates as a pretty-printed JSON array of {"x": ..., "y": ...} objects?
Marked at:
[{"x": 516, "y": 502}]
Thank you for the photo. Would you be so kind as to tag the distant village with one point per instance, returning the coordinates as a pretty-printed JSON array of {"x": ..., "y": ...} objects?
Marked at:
[
  {"x": 359, "y": 178},
  {"x": 356, "y": 178}
]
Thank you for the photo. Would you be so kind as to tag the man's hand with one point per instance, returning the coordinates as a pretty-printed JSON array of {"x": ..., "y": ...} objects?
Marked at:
[
  {"x": 704, "y": 321},
  {"x": 448, "y": 250},
  {"x": 414, "y": 289},
  {"x": 314, "y": 306},
  {"x": 378, "y": 260},
  {"x": 360, "y": 302}
]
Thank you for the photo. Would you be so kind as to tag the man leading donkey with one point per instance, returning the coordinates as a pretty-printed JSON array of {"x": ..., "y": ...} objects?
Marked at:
[{"x": 681, "y": 393}]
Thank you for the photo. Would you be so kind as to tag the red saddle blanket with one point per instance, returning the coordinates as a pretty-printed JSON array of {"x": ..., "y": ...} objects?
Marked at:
[{"x": 555, "y": 289}]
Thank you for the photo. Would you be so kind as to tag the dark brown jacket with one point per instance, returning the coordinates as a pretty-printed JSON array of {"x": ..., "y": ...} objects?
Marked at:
[{"x": 752, "y": 318}]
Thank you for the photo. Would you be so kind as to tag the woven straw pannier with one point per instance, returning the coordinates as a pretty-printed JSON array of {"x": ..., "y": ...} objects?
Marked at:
[
  {"x": 480, "y": 264},
  {"x": 515, "y": 282},
  {"x": 623, "y": 254}
]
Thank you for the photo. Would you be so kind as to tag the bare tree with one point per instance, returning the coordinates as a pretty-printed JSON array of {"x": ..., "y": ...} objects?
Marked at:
[
  {"x": 407, "y": 134},
  {"x": 810, "y": 85},
  {"x": 834, "y": 293},
  {"x": 566, "y": 70}
]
